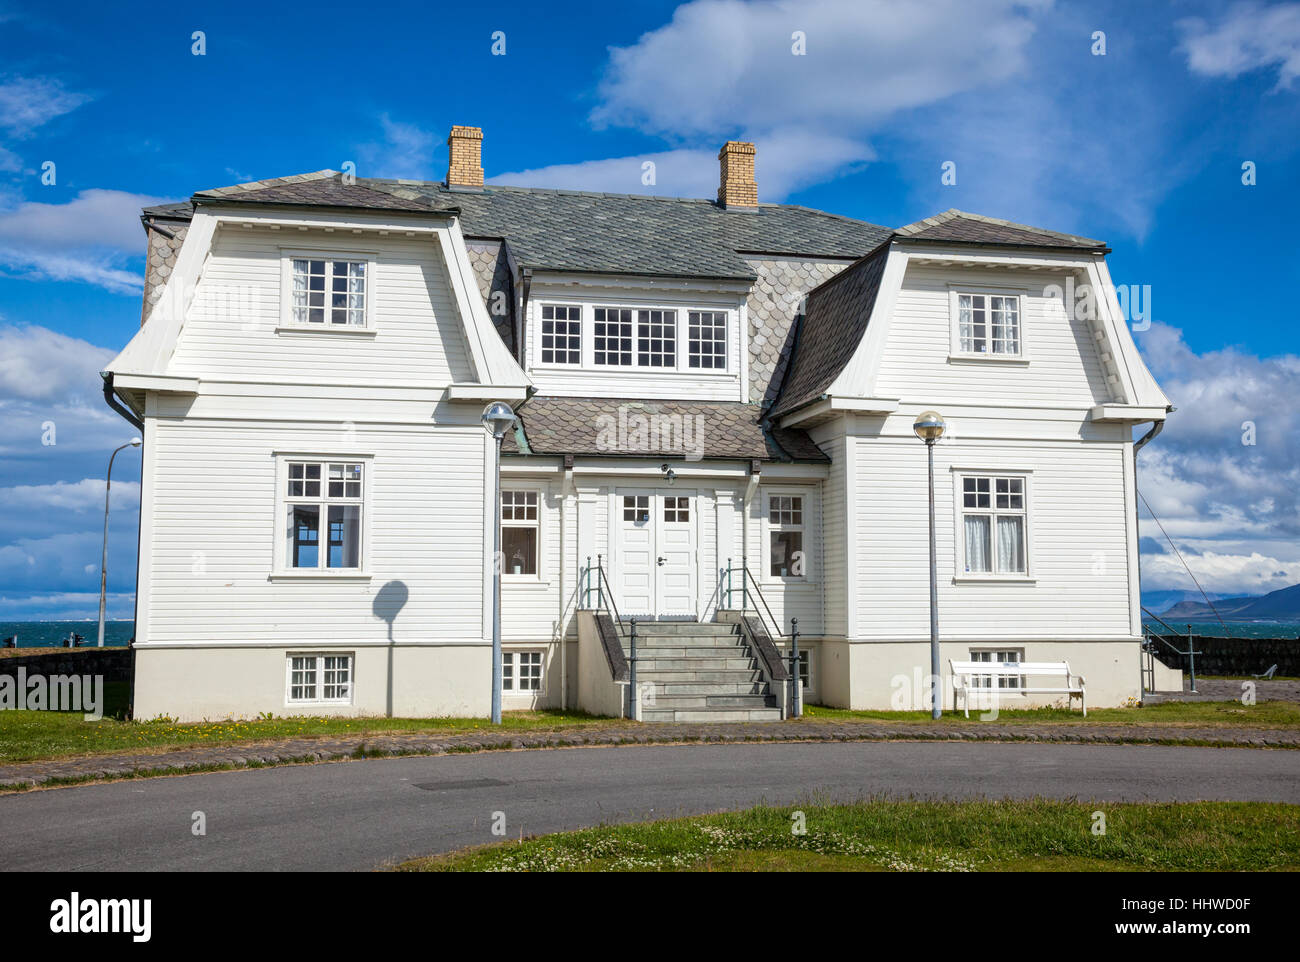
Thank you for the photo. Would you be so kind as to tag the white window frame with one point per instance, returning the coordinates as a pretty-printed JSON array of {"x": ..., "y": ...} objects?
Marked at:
[
  {"x": 281, "y": 569},
  {"x": 318, "y": 695},
  {"x": 531, "y": 487},
  {"x": 959, "y": 522},
  {"x": 999, "y": 683},
  {"x": 512, "y": 663},
  {"x": 681, "y": 349},
  {"x": 807, "y": 527},
  {"x": 583, "y": 335},
  {"x": 955, "y": 350},
  {"x": 287, "y": 322}
]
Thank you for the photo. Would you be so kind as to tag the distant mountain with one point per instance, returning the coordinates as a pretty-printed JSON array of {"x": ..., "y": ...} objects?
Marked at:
[{"x": 1280, "y": 605}]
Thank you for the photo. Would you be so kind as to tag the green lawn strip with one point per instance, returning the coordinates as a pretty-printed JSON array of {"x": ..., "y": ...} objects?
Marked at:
[
  {"x": 1218, "y": 714},
  {"x": 32, "y": 735},
  {"x": 37, "y": 735},
  {"x": 986, "y": 836}
]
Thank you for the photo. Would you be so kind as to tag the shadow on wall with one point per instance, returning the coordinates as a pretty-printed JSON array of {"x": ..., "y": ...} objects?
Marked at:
[{"x": 389, "y": 601}]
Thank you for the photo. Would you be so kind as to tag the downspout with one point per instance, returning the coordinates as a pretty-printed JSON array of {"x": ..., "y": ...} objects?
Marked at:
[
  {"x": 567, "y": 491},
  {"x": 1156, "y": 428},
  {"x": 135, "y": 422},
  {"x": 115, "y": 404}
]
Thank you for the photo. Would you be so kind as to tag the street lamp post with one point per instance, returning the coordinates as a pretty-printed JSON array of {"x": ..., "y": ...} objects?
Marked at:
[
  {"x": 929, "y": 427},
  {"x": 498, "y": 418},
  {"x": 103, "y": 559}
]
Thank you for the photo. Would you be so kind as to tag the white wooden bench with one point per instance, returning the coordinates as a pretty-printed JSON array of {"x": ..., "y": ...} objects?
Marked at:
[{"x": 1028, "y": 672}]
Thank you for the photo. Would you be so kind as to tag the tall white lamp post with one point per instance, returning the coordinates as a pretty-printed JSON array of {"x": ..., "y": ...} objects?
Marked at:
[
  {"x": 103, "y": 560},
  {"x": 498, "y": 418},
  {"x": 929, "y": 427}
]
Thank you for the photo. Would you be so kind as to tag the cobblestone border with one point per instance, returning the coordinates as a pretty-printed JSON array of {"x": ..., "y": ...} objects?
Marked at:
[{"x": 24, "y": 775}]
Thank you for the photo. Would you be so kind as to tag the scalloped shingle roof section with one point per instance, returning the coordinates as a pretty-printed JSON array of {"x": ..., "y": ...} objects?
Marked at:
[
  {"x": 835, "y": 318},
  {"x": 618, "y": 427}
]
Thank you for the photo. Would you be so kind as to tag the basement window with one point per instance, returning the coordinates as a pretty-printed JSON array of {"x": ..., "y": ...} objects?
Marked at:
[
  {"x": 521, "y": 671},
  {"x": 1007, "y": 656},
  {"x": 320, "y": 679}
]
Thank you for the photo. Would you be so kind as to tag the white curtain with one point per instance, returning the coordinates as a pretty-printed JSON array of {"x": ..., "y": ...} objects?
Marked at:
[
  {"x": 1011, "y": 544},
  {"x": 977, "y": 542}
]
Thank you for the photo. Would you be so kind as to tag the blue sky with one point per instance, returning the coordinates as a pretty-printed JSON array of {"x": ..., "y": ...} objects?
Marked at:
[{"x": 1142, "y": 146}]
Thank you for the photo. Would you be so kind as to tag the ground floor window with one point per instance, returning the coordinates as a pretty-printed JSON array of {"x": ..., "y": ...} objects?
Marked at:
[
  {"x": 320, "y": 678},
  {"x": 1006, "y": 656},
  {"x": 521, "y": 671}
]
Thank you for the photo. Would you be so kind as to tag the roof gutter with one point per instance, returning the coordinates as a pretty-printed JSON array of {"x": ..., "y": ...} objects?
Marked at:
[{"x": 115, "y": 404}]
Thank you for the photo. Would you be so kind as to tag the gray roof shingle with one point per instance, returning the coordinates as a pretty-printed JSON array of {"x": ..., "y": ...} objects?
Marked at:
[
  {"x": 564, "y": 230},
  {"x": 964, "y": 227},
  {"x": 613, "y": 427},
  {"x": 835, "y": 318}
]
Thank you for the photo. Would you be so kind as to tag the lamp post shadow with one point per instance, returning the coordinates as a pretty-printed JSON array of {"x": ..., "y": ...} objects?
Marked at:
[{"x": 389, "y": 601}]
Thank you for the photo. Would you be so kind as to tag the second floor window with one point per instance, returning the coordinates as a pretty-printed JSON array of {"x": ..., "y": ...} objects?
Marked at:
[
  {"x": 993, "y": 523},
  {"x": 329, "y": 291},
  {"x": 561, "y": 334},
  {"x": 989, "y": 324},
  {"x": 323, "y": 514}
]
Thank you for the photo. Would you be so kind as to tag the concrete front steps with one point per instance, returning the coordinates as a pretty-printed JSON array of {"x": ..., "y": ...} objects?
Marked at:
[{"x": 701, "y": 672}]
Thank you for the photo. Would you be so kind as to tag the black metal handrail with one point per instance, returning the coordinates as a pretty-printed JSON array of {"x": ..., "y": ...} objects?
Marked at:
[
  {"x": 604, "y": 593},
  {"x": 1190, "y": 653},
  {"x": 746, "y": 578}
]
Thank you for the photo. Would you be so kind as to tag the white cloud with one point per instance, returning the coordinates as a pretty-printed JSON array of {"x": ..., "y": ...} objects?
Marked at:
[
  {"x": 84, "y": 495},
  {"x": 87, "y": 239},
  {"x": 37, "y": 364},
  {"x": 787, "y": 160},
  {"x": 406, "y": 152},
  {"x": 27, "y": 103},
  {"x": 1249, "y": 37},
  {"x": 1232, "y": 508},
  {"x": 724, "y": 64}
]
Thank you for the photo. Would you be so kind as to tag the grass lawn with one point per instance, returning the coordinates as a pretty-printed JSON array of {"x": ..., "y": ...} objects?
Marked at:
[
  {"x": 1200, "y": 714},
  {"x": 910, "y": 836},
  {"x": 29, "y": 735}
]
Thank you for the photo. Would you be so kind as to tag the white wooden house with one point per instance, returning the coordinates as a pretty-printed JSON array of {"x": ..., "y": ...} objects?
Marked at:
[{"x": 715, "y": 405}]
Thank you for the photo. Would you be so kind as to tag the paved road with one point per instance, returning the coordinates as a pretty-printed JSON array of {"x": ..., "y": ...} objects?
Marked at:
[{"x": 362, "y": 815}]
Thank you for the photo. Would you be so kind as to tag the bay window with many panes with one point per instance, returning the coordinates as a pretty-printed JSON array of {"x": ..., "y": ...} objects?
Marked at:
[
  {"x": 322, "y": 507},
  {"x": 994, "y": 525}
]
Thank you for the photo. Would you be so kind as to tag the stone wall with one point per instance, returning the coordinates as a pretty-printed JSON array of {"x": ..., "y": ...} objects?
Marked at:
[
  {"x": 1235, "y": 656},
  {"x": 113, "y": 663}
]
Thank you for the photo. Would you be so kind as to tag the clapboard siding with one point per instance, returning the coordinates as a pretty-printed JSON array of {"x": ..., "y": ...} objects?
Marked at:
[
  {"x": 1063, "y": 370},
  {"x": 215, "y": 517},
  {"x": 231, "y": 326},
  {"x": 834, "y": 539},
  {"x": 1077, "y": 550}
]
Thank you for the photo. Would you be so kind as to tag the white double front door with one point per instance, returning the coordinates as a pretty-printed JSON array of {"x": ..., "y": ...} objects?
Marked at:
[{"x": 656, "y": 552}]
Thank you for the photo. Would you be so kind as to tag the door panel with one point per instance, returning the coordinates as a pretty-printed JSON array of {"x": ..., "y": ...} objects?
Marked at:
[{"x": 656, "y": 562}]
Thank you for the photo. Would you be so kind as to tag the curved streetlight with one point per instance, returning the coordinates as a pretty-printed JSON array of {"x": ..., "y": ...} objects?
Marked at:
[
  {"x": 929, "y": 427},
  {"x": 498, "y": 418},
  {"x": 103, "y": 560}
]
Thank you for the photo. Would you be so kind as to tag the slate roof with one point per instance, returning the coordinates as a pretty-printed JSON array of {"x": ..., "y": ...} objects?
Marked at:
[
  {"x": 835, "y": 318},
  {"x": 565, "y": 230},
  {"x": 612, "y": 427},
  {"x": 964, "y": 227}
]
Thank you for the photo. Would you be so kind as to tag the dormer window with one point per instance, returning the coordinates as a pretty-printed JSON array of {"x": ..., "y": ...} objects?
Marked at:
[
  {"x": 612, "y": 340},
  {"x": 988, "y": 325},
  {"x": 707, "y": 339},
  {"x": 561, "y": 334},
  {"x": 656, "y": 338},
  {"x": 329, "y": 291}
]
